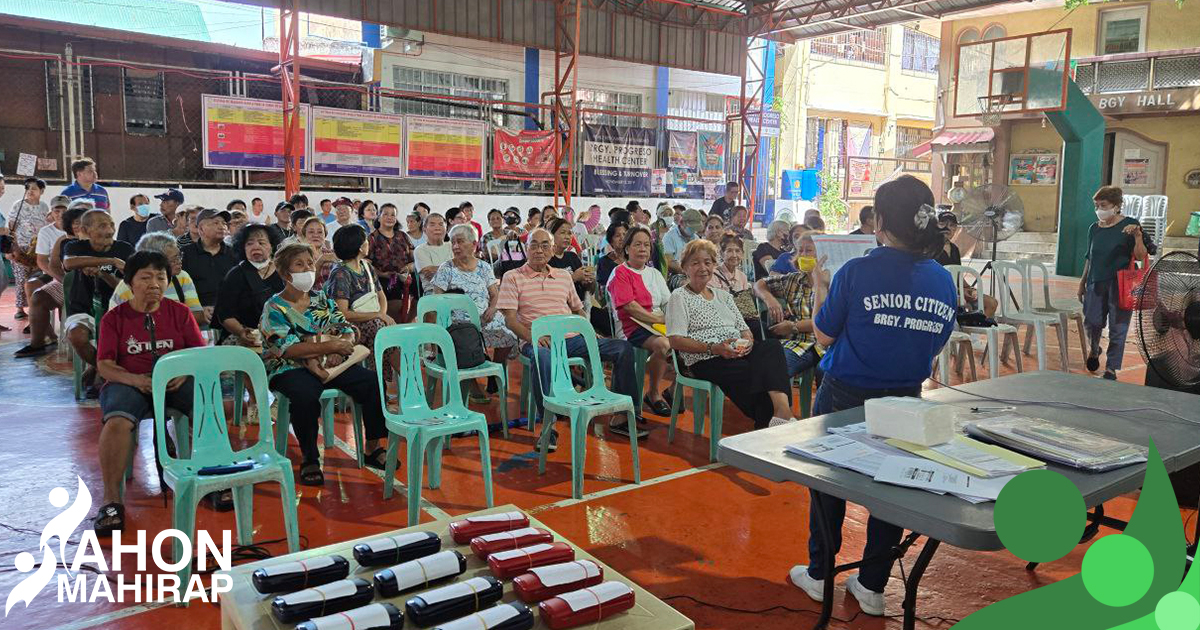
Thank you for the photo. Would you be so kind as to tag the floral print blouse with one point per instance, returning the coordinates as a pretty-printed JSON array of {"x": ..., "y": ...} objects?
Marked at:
[
  {"x": 390, "y": 255},
  {"x": 282, "y": 326}
]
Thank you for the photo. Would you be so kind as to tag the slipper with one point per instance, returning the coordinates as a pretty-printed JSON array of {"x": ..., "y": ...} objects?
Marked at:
[
  {"x": 377, "y": 459},
  {"x": 479, "y": 399},
  {"x": 109, "y": 518},
  {"x": 311, "y": 475},
  {"x": 657, "y": 407},
  {"x": 21, "y": 315}
]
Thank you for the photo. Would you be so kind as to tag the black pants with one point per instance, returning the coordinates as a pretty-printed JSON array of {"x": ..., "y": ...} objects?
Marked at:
[
  {"x": 303, "y": 390},
  {"x": 747, "y": 381}
]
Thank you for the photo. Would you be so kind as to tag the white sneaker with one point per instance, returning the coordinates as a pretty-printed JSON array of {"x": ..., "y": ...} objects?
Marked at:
[
  {"x": 811, "y": 586},
  {"x": 776, "y": 421},
  {"x": 871, "y": 602}
]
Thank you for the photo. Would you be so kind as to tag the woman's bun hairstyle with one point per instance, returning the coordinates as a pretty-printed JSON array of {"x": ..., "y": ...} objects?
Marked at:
[{"x": 904, "y": 209}]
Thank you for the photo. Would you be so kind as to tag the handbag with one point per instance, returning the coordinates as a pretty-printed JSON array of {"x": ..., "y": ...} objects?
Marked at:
[
  {"x": 369, "y": 301},
  {"x": 744, "y": 300},
  {"x": 22, "y": 256},
  {"x": 1129, "y": 281},
  {"x": 509, "y": 259},
  {"x": 468, "y": 344}
]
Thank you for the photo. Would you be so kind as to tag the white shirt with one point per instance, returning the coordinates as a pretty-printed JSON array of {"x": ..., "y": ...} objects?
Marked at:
[
  {"x": 46, "y": 238},
  {"x": 334, "y": 227},
  {"x": 432, "y": 255},
  {"x": 262, "y": 219}
]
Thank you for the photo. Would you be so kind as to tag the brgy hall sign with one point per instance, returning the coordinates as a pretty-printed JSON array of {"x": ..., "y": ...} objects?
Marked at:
[
  {"x": 1148, "y": 102},
  {"x": 85, "y": 586}
]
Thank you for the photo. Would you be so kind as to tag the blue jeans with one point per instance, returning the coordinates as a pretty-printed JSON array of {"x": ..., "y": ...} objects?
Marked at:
[
  {"x": 616, "y": 351},
  {"x": 882, "y": 536},
  {"x": 1101, "y": 306},
  {"x": 798, "y": 364}
]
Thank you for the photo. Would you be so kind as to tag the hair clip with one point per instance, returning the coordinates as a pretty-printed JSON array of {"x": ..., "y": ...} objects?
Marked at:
[{"x": 923, "y": 215}]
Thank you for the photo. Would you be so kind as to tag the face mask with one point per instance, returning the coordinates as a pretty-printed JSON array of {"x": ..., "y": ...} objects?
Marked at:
[
  {"x": 668, "y": 221},
  {"x": 1105, "y": 215},
  {"x": 261, "y": 265},
  {"x": 143, "y": 210},
  {"x": 806, "y": 263},
  {"x": 304, "y": 280}
]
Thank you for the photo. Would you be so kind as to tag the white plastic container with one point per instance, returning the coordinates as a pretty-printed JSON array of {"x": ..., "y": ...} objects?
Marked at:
[{"x": 910, "y": 419}]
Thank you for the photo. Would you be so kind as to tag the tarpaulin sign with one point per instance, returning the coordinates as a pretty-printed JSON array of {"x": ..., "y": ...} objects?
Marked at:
[
  {"x": 711, "y": 155},
  {"x": 247, "y": 133},
  {"x": 618, "y": 159},
  {"x": 444, "y": 148},
  {"x": 681, "y": 150},
  {"x": 526, "y": 155},
  {"x": 350, "y": 142}
]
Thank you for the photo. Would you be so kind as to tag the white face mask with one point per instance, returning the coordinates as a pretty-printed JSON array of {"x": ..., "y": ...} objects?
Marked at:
[
  {"x": 261, "y": 265},
  {"x": 304, "y": 280},
  {"x": 668, "y": 220},
  {"x": 1105, "y": 215}
]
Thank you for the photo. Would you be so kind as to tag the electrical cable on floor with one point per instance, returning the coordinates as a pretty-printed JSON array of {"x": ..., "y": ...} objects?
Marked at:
[
  {"x": 931, "y": 619},
  {"x": 1069, "y": 405}
]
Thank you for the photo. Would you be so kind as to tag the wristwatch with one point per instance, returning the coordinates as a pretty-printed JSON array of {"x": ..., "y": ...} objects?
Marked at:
[{"x": 710, "y": 347}]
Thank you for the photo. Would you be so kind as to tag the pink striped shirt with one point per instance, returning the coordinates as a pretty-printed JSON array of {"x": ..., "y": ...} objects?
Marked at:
[{"x": 535, "y": 294}]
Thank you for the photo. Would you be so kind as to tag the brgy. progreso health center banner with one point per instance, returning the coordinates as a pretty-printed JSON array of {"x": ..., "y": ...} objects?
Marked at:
[
  {"x": 356, "y": 143},
  {"x": 247, "y": 133},
  {"x": 618, "y": 159}
]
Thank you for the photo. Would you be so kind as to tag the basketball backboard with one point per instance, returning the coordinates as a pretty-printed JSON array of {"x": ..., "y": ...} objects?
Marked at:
[{"x": 1018, "y": 74}]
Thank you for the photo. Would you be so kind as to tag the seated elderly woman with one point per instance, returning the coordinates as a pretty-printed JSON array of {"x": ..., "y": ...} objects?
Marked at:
[
  {"x": 714, "y": 343},
  {"x": 730, "y": 276},
  {"x": 125, "y": 360},
  {"x": 786, "y": 263},
  {"x": 314, "y": 232},
  {"x": 434, "y": 251},
  {"x": 766, "y": 253},
  {"x": 466, "y": 274},
  {"x": 354, "y": 286},
  {"x": 248, "y": 286},
  {"x": 179, "y": 284},
  {"x": 789, "y": 301},
  {"x": 303, "y": 327},
  {"x": 639, "y": 293}
]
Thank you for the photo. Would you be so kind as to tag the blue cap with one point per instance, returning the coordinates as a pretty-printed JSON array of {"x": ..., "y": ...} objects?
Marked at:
[{"x": 172, "y": 194}]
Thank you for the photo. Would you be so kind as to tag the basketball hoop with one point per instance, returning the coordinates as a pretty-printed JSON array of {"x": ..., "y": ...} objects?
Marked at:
[{"x": 989, "y": 111}]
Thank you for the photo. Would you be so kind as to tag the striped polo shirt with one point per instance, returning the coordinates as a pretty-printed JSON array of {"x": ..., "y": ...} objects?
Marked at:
[{"x": 534, "y": 294}]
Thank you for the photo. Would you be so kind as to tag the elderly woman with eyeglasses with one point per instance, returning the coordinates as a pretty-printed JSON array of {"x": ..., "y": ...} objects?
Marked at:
[{"x": 179, "y": 286}]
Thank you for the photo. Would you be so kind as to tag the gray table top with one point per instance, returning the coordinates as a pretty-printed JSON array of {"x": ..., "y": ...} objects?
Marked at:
[{"x": 953, "y": 520}]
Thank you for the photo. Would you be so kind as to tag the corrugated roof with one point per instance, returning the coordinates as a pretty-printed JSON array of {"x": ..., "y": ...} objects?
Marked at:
[{"x": 152, "y": 17}]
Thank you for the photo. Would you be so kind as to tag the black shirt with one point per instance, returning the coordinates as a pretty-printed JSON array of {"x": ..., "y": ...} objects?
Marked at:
[
  {"x": 764, "y": 250},
  {"x": 722, "y": 208},
  {"x": 84, "y": 287},
  {"x": 858, "y": 231},
  {"x": 604, "y": 269},
  {"x": 207, "y": 270},
  {"x": 243, "y": 294},
  {"x": 953, "y": 257},
  {"x": 571, "y": 262},
  {"x": 131, "y": 230}
]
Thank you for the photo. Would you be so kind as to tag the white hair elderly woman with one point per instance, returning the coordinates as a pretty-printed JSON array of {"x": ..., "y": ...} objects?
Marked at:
[
  {"x": 179, "y": 286},
  {"x": 766, "y": 253},
  {"x": 465, "y": 273}
]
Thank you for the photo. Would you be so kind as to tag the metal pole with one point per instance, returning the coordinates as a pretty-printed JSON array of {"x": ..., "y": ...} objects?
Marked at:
[
  {"x": 70, "y": 105},
  {"x": 289, "y": 83}
]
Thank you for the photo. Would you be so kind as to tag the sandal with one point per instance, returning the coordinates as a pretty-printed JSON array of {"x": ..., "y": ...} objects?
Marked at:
[
  {"x": 221, "y": 501},
  {"x": 311, "y": 475},
  {"x": 657, "y": 407},
  {"x": 109, "y": 518},
  {"x": 377, "y": 459}
]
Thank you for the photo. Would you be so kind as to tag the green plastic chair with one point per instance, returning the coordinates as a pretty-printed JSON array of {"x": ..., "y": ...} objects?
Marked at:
[
  {"x": 442, "y": 306},
  {"x": 804, "y": 382},
  {"x": 421, "y": 427},
  {"x": 77, "y": 365},
  {"x": 329, "y": 398},
  {"x": 581, "y": 407},
  {"x": 702, "y": 391},
  {"x": 528, "y": 404},
  {"x": 210, "y": 442}
]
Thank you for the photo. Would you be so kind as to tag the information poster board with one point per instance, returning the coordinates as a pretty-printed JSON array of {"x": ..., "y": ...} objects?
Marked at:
[
  {"x": 524, "y": 155},
  {"x": 618, "y": 159},
  {"x": 712, "y": 155},
  {"x": 1033, "y": 169},
  {"x": 444, "y": 148},
  {"x": 354, "y": 143},
  {"x": 681, "y": 150},
  {"x": 247, "y": 133}
]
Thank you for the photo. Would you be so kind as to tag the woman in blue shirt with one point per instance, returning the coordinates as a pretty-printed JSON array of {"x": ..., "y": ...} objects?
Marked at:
[{"x": 895, "y": 298}]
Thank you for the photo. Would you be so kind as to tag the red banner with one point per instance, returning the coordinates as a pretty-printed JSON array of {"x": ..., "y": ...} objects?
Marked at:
[{"x": 527, "y": 155}]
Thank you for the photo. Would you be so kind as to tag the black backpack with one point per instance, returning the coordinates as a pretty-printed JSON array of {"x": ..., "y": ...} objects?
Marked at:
[
  {"x": 468, "y": 344},
  {"x": 509, "y": 258}
]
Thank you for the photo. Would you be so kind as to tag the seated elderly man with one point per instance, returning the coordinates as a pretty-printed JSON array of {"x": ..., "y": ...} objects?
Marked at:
[
  {"x": 535, "y": 290},
  {"x": 126, "y": 354}
]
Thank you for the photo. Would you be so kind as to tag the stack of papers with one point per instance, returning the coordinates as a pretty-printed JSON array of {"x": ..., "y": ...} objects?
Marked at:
[
  {"x": 973, "y": 457},
  {"x": 1056, "y": 443},
  {"x": 840, "y": 451}
]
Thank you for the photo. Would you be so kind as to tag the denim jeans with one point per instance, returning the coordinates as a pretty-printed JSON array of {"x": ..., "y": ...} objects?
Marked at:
[
  {"x": 616, "y": 351},
  {"x": 798, "y": 364},
  {"x": 1101, "y": 306},
  {"x": 882, "y": 536}
]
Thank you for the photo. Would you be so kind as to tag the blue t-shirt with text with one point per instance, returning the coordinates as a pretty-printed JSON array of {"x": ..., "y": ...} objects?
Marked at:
[{"x": 890, "y": 312}]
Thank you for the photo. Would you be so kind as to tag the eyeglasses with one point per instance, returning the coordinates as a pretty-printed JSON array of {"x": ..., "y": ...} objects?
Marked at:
[{"x": 539, "y": 245}]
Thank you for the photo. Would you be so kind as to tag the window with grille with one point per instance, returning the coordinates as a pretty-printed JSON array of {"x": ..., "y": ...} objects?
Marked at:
[
  {"x": 145, "y": 102},
  {"x": 868, "y": 47},
  {"x": 909, "y": 138},
  {"x": 1122, "y": 31},
  {"x": 920, "y": 52},
  {"x": 613, "y": 101},
  {"x": 56, "y": 96},
  {"x": 448, "y": 83},
  {"x": 688, "y": 104},
  {"x": 823, "y": 141}
]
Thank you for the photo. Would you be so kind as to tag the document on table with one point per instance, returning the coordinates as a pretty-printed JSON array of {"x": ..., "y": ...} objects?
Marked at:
[
  {"x": 915, "y": 472},
  {"x": 840, "y": 451},
  {"x": 839, "y": 248},
  {"x": 972, "y": 457}
]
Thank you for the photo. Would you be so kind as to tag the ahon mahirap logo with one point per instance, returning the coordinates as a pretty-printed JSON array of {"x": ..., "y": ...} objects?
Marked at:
[{"x": 97, "y": 584}]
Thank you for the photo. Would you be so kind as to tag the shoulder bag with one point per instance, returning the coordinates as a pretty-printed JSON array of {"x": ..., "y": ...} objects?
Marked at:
[{"x": 369, "y": 301}]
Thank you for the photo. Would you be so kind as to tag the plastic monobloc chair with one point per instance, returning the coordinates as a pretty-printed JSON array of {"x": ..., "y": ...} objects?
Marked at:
[
  {"x": 329, "y": 398},
  {"x": 998, "y": 337},
  {"x": 560, "y": 396},
  {"x": 210, "y": 442},
  {"x": 442, "y": 306},
  {"x": 421, "y": 427},
  {"x": 528, "y": 404},
  {"x": 702, "y": 391},
  {"x": 1024, "y": 315},
  {"x": 1066, "y": 310}
]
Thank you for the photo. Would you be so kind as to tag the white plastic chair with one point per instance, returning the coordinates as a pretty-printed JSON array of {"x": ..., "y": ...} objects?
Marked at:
[
  {"x": 1066, "y": 310},
  {"x": 1017, "y": 315},
  {"x": 959, "y": 342},
  {"x": 998, "y": 335},
  {"x": 1131, "y": 206},
  {"x": 1154, "y": 217}
]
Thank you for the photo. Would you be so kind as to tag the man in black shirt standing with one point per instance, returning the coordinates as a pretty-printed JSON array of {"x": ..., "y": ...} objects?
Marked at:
[
  {"x": 96, "y": 261},
  {"x": 723, "y": 206},
  {"x": 134, "y": 227},
  {"x": 866, "y": 221},
  {"x": 208, "y": 259}
]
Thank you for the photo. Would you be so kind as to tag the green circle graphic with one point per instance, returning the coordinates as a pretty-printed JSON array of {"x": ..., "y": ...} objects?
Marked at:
[
  {"x": 1177, "y": 611},
  {"x": 1117, "y": 570},
  {"x": 1040, "y": 516}
]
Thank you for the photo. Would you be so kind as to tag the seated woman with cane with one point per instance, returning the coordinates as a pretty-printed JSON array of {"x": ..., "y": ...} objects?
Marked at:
[{"x": 302, "y": 327}]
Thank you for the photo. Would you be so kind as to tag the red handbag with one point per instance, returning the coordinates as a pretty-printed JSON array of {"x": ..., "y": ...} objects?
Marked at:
[{"x": 1129, "y": 282}]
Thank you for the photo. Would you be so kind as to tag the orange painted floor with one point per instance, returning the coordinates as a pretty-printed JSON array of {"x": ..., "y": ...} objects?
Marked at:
[{"x": 713, "y": 541}]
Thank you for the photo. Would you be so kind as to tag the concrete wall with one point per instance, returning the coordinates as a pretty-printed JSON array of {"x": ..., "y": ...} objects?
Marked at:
[{"x": 1041, "y": 202}]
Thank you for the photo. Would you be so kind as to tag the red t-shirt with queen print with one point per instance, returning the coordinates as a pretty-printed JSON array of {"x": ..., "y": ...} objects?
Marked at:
[{"x": 125, "y": 335}]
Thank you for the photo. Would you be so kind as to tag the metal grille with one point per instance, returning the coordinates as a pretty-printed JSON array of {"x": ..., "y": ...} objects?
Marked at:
[
  {"x": 908, "y": 138},
  {"x": 1124, "y": 76},
  {"x": 686, "y": 103},
  {"x": 1176, "y": 72},
  {"x": 618, "y": 101},
  {"x": 868, "y": 47},
  {"x": 920, "y": 52},
  {"x": 57, "y": 90},
  {"x": 448, "y": 83},
  {"x": 1085, "y": 77},
  {"x": 823, "y": 141}
]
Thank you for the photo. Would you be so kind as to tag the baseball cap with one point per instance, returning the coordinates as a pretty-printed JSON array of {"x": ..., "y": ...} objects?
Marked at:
[
  {"x": 172, "y": 194},
  {"x": 81, "y": 202},
  {"x": 947, "y": 216},
  {"x": 212, "y": 213},
  {"x": 343, "y": 201},
  {"x": 60, "y": 200},
  {"x": 283, "y": 204}
]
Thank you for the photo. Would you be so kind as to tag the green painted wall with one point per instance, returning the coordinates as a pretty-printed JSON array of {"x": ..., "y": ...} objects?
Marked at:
[{"x": 1082, "y": 129}]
